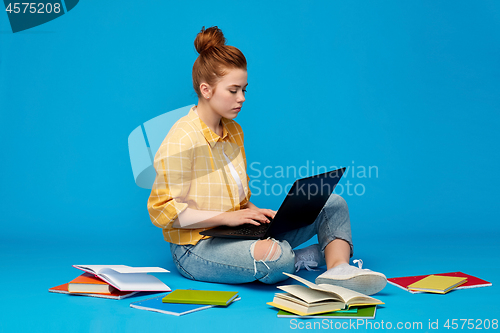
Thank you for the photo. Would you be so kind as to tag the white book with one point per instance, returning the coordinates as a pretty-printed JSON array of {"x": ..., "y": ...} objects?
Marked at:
[{"x": 126, "y": 278}]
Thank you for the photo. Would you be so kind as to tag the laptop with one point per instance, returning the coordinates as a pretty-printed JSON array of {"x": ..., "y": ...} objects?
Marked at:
[{"x": 301, "y": 207}]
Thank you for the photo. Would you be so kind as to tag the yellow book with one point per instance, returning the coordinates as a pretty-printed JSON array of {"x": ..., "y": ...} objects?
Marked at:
[
  {"x": 437, "y": 284},
  {"x": 318, "y": 298}
]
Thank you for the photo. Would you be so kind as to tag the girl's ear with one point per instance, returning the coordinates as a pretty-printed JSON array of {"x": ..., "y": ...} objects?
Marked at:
[{"x": 206, "y": 90}]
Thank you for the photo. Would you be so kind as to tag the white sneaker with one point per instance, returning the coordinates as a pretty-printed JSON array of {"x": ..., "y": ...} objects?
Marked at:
[
  {"x": 361, "y": 280},
  {"x": 309, "y": 257}
]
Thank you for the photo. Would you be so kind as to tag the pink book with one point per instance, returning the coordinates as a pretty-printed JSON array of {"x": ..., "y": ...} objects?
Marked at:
[{"x": 405, "y": 281}]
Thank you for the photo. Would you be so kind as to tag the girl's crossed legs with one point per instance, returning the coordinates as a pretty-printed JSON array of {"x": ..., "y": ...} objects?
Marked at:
[{"x": 226, "y": 260}]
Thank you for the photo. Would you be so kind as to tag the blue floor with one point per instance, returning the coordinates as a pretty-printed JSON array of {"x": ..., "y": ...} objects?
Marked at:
[{"x": 29, "y": 269}]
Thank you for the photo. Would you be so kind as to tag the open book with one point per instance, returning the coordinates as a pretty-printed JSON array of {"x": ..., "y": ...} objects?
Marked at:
[
  {"x": 318, "y": 298},
  {"x": 126, "y": 278}
]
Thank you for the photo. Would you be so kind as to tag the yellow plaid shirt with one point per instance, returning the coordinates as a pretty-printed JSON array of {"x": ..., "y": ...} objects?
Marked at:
[{"x": 192, "y": 172}]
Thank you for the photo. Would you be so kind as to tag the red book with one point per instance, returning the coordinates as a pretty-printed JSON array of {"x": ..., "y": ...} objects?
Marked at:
[
  {"x": 63, "y": 289},
  {"x": 89, "y": 283},
  {"x": 405, "y": 281}
]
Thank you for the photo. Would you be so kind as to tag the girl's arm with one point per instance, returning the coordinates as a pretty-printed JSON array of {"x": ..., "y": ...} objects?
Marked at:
[{"x": 251, "y": 214}]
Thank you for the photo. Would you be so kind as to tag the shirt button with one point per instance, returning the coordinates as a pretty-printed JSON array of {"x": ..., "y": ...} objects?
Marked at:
[{"x": 240, "y": 172}]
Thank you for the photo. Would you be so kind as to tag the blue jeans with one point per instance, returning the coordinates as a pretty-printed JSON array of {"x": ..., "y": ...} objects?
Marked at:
[{"x": 225, "y": 260}]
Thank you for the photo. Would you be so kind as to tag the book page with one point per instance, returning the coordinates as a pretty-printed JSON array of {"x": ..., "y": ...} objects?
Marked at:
[
  {"x": 304, "y": 281},
  {"x": 309, "y": 295},
  {"x": 350, "y": 296},
  {"x": 316, "y": 287},
  {"x": 297, "y": 300},
  {"x": 346, "y": 295},
  {"x": 96, "y": 269},
  {"x": 132, "y": 281}
]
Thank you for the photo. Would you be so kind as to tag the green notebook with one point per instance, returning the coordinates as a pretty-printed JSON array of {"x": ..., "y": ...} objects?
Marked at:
[
  {"x": 210, "y": 297},
  {"x": 362, "y": 312}
]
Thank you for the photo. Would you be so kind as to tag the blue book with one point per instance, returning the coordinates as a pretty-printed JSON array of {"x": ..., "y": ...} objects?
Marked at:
[{"x": 155, "y": 304}]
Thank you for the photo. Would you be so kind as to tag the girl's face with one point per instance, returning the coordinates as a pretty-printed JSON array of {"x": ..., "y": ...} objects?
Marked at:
[{"x": 229, "y": 94}]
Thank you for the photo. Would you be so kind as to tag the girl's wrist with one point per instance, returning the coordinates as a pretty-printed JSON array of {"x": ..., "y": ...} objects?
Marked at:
[{"x": 251, "y": 206}]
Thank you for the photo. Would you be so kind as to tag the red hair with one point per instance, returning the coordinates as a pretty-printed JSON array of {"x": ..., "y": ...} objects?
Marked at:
[{"x": 215, "y": 58}]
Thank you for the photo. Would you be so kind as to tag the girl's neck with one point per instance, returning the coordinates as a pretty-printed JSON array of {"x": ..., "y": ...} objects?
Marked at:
[{"x": 209, "y": 117}]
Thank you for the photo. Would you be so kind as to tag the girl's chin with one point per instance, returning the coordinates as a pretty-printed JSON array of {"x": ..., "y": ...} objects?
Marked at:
[{"x": 231, "y": 115}]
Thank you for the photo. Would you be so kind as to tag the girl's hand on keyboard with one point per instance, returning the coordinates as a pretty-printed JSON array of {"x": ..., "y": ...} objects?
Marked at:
[
  {"x": 268, "y": 212},
  {"x": 243, "y": 216}
]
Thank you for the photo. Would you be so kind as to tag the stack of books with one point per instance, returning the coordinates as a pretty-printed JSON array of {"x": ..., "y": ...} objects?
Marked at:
[
  {"x": 438, "y": 283},
  {"x": 322, "y": 300},
  {"x": 112, "y": 281},
  {"x": 184, "y": 301}
]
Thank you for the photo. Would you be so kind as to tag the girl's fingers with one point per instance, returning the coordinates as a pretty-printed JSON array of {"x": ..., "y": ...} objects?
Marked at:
[
  {"x": 269, "y": 212},
  {"x": 253, "y": 222},
  {"x": 259, "y": 216},
  {"x": 265, "y": 219}
]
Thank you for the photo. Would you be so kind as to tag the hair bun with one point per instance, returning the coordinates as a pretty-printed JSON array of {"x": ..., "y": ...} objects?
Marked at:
[{"x": 208, "y": 38}]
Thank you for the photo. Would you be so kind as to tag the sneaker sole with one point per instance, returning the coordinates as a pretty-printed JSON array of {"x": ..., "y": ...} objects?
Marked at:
[{"x": 367, "y": 284}]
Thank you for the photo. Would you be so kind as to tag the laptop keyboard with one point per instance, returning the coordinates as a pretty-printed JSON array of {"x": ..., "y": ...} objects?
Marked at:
[{"x": 251, "y": 230}]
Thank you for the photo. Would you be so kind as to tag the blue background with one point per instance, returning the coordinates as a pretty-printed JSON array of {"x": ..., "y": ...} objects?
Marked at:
[{"x": 409, "y": 88}]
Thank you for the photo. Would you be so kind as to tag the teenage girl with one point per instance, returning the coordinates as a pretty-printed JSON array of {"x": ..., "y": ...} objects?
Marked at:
[{"x": 201, "y": 182}]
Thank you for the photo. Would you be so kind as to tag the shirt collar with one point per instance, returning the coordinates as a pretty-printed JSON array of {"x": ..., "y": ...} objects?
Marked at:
[{"x": 209, "y": 135}]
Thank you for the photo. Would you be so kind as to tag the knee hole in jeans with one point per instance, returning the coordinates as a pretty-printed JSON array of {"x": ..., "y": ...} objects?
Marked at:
[{"x": 266, "y": 250}]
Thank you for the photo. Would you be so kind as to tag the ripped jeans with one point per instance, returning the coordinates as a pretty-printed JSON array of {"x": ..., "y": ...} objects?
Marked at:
[{"x": 225, "y": 260}]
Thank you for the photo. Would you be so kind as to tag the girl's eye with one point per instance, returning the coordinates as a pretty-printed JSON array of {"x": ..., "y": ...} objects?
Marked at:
[
  {"x": 244, "y": 91},
  {"x": 233, "y": 92}
]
